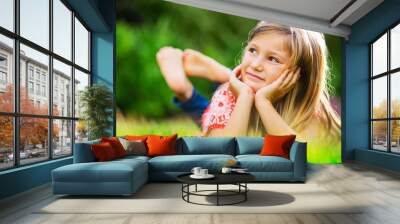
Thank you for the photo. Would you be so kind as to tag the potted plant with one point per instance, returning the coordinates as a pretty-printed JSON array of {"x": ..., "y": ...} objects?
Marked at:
[{"x": 96, "y": 102}]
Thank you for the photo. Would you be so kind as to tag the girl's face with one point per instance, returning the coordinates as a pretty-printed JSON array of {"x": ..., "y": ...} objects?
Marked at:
[{"x": 265, "y": 57}]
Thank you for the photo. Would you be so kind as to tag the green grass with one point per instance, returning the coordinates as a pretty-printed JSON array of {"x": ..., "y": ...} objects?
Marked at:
[
  {"x": 319, "y": 152},
  {"x": 183, "y": 126}
]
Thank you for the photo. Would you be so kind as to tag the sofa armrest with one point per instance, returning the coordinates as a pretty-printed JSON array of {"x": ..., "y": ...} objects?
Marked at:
[
  {"x": 83, "y": 152},
  {"x": 298, "y": 155}
]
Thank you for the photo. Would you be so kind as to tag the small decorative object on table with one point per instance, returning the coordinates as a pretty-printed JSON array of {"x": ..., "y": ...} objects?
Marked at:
[
  {"x": 226, "y": 170},
  {"x": 237, "y": 170},
  {"x": 231, "y": 165},
  {"x": 200, "y": 173}
]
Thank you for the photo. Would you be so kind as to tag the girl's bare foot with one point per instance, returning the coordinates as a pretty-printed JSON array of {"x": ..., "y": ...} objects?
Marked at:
[
  {"x": 200, "y": 65},
  {"x": 170, "y": 61}
]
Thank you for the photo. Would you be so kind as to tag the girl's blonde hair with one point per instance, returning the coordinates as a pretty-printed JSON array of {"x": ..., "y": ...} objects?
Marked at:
[{"x": 310, "y": 95}]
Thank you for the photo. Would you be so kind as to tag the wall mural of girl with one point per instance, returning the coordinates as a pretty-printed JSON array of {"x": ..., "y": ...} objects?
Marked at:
[{"x": 280, "y": 86}]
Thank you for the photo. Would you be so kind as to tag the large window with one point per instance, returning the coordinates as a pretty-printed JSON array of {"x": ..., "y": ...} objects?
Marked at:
[
  {"x": 7, "y": 14},
  {"x": 44, "y": 64},
  {"x": 385, "y": 91}
]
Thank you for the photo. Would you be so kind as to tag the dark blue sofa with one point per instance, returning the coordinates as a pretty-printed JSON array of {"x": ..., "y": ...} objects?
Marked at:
[{"x": 125, "y": 176}]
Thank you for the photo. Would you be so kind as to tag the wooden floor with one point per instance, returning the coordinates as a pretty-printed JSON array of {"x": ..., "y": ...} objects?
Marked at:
[{"x": 378, "y": 188}]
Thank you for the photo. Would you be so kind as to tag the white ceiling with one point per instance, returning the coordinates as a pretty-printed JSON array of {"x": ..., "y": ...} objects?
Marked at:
[
  {"x": 321, "y": 9},
  {"x": 327, "y": 16}
]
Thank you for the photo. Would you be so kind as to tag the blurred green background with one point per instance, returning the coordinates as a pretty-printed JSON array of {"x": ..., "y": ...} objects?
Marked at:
[{"x": 144, "y": 26}]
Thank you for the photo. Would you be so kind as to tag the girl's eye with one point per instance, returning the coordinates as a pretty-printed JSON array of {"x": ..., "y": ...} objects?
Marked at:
[
  {"x": 274, "y": 59},
  {"x": 252, "y": 50}
]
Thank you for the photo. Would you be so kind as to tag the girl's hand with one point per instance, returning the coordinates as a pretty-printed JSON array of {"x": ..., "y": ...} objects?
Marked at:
[
  {"x": 279, "y": 87},
  {"x": 237, "y": 86}
]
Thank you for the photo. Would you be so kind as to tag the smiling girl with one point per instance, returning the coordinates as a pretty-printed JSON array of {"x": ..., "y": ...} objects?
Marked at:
[{"x": 279, "y": 88}]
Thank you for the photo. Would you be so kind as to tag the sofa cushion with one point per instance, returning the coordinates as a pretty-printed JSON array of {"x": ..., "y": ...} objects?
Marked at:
[
  {"x": 83, "y": 152},
  {"x": 277, "y": 145},
  {"x": 185, "y": 163},
  {"x": 161, "y": 145},
  {"x": 111, "y": 171},
  {"x": 132, "y": 158},
  {"x": 103, "y": 152},
  {"x": 134, "y": 147},
  {"x": 249, "y": 145},
  {"x": 138, "y": 137},
  {"x": 207, "y": 145},
  {"x": 257, "y": 163},
  {"x": 116, "y": 145}
]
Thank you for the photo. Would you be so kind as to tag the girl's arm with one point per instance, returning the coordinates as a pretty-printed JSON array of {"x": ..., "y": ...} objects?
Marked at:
[
  {"x": 240, "y": 116},
  {"x": 239, "y": 120},
  {"x": 271, "y": 119}
]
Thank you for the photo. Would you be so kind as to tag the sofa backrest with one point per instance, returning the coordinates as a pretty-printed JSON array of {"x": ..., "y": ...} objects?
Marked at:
[
  {"x": 206, "y": 145},
  {"x": 83, "y": 152},
  {"x": 194, "y": 145},
  {"x": 249, "y": 145}
]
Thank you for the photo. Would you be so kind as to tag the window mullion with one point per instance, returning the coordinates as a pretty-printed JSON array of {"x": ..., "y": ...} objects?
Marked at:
[
  {"x": 16, "y": 85},
  {"x": 50, "y": 79},
  {"x": 371, "y": 89},
  {"x": 73, "y": 82},
  {"x": 389, "y": 104}
]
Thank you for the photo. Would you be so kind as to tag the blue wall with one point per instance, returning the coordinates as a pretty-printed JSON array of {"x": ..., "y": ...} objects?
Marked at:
[
  {"x": 103, "y": 52},
  {"x": 356, "y": 85},
  {"x": 100, "y": 16},
  {"x": 24, "y": 178}
]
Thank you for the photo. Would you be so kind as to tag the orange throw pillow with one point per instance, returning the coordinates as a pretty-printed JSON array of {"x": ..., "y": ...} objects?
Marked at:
[
  {"x": 103, "y": 152},
  {"x": 161, "y": 145},
  {"x": 116, "y": 145},
  {"x": 277, "y": 145}
]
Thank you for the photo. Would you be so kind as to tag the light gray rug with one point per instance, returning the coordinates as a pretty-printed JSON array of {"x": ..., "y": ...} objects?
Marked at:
[{"x": 166, "y": 198}]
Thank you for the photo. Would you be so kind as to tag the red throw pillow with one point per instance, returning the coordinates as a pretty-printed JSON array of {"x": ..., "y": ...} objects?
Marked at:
[
  {"x": 277, "y": 145},
  {"x": 116, "y": 145},
  {"x": 161, "y": 145},
  {"x": 103, "y": 151}
]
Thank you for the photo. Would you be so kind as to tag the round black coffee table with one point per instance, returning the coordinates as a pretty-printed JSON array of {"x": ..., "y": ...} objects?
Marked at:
[{"x": 238, "y": 179}]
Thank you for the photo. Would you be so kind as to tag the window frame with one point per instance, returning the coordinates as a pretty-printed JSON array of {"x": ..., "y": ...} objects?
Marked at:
[
  {"x": 388, "y": 74},
  {"x": 16, "y": 115}
]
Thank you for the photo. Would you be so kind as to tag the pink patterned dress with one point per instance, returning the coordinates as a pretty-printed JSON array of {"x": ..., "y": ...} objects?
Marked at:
[{"x": 218, "y": 113}]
